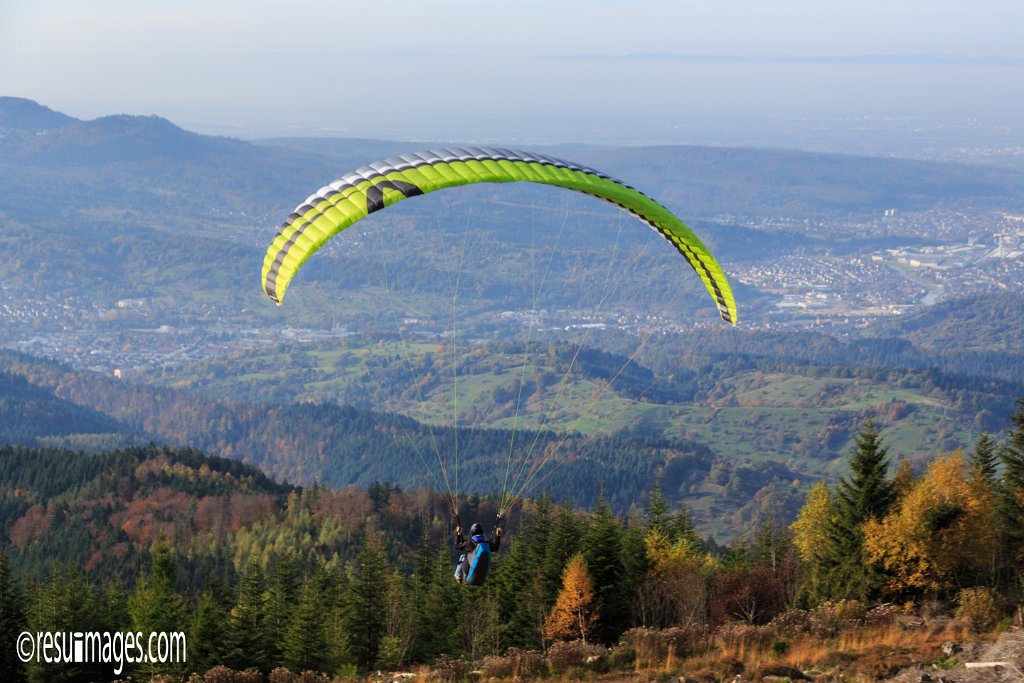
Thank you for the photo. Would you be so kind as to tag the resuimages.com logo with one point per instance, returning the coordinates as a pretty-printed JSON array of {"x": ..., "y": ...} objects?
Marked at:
[{"x": 92, "y": 647}]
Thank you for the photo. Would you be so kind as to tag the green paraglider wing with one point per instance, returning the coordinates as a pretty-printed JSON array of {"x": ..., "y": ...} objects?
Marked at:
[{"x": 371, "y": 188}]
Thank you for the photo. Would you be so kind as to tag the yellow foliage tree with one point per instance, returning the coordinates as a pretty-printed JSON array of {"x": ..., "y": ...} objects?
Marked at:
[
  {"x": 942, "y": 531},
  {"x": 575, "y": 613},
  {"x": 674, "y": 590},
  {"x": 810, "y": 530}
]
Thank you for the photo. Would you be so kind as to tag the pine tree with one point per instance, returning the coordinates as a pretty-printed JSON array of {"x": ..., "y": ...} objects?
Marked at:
[
  {"x": 602, "y": 548},
  {"x": 866, "y": 494},
  {"x": 519, "y": 580},
  {"x": 64, "y": 603},
  {"x": 984, "y": 460},
  {"x": 636, "y": 563},
  {"x": 12, "y": 622},
  {"x": 365, "y": 603},
  {"x": 305, "y": 646},
  {"x": 682, "y": 528},
  {"x": 206, "y": 647},
  {"x": 334, "y": 589},
  {"x": 398, "y": 623},
  {"x": 247, "y": 633},
  {"x": 656, "y": 514},
  {"x": 435, "y": 597},
  {"x": 574, "y": 614},
  {"x": 155, "y": 607},
  {"x": 282, "y": 598},
  {"x": 565, "y": 539}
]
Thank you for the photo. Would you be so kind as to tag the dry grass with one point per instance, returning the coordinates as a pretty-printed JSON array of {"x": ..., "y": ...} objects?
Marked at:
[{"x": 866, "y": 652}]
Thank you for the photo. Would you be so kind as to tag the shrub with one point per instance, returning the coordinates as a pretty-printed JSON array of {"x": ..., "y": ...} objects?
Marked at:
[
  {"x": 977, "y": 608},
  {"x": 654, "y": 644},
  {"x": 622, "y": 656},
  {"x": 568, "y": 654},
  {"x": 450, "y": 669},
  {"x": 792, "y": 622},
  {"x": 779, "y": 648},
  {"x": 564, "y": 655},
  {"x": 834, "y": 616},
  {"x": 282, "y": 675},
  {"x": 516, "y": 664},
  {"x": 219, "y": 674}
]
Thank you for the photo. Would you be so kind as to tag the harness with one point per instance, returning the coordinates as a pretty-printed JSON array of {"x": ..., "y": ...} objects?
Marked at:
[{"x": 480, "y": 563}]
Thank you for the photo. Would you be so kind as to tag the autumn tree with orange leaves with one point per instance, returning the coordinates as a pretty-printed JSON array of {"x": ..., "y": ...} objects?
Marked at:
[
  {"x": 575, "y": 612},
  {"x": 940, "y": 535}
]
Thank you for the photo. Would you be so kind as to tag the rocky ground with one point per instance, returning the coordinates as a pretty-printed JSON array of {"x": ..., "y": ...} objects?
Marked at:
[{"x": 1008, "y": 648}]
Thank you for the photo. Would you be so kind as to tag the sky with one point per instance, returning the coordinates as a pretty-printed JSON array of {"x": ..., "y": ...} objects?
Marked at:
[{"x": 720, "y": 71}]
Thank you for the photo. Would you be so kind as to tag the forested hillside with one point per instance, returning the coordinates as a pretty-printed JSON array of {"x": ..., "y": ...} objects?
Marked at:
[
  {"x": 262, "y": 576},
  {"x": 336, "y": 446}
]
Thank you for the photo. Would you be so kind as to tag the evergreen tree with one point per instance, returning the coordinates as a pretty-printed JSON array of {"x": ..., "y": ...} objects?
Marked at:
[
  {"x": 867, "y": 493},
  {"x": 248, "y": 636},
  {"x": 636, "y": 563},
  {"x": 12, "y": 622},
  {"x": 398, "y": 623},
  {"x": 602, "y": 549},
  {"x": 206, "y": 646},
  {"x": 155, "y": 607},
  {"x": 984, "y": 460},
  {"x": 305, "y": 645},
  {"x": 282, "y": 598},
  {"x": 682, "y": 528},
  {"x": 64, "y": 603},
  {"x": 334, "y": 589},
  {"x": 365, "y": 603},
  {"x": 564, "y": 542},
  {"x": 656, "y": 514},
  {"x": 518, "y": 581}
]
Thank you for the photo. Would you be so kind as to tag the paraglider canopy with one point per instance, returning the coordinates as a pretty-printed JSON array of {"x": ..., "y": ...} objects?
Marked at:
[{"x": 371, "y": 188}]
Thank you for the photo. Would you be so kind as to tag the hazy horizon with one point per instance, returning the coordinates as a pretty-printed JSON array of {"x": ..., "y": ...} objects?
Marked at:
[{"x": 868, "y": 76}]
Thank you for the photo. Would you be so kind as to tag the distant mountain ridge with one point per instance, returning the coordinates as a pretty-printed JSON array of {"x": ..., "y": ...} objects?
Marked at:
[
  {"x": 35, "y": 133},
  {"x": 19, "y": 113},
  {"x": 702, "y": 180}
]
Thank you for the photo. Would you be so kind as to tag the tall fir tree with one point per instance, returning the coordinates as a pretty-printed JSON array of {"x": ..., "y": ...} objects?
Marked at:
[
  {"x": 338, "y": 654},
  {"x": 564, "y": 541},
  {"x": 282, "y": 598},
  {"x": 657, "y": 514},
  {"x": 519, "y": 579},
  {"x": 304, "y": 647},
  {"x": 867, "y": 493},
  {"x": 64, "y": 603},
  {"x": 365, "y": 603},
  {"x": 985, "y": 460},
  {"x": 206, "y": 646},
  {"x": 247, "y": 634},
  {"x": 602, "y": 548},
  {"x": 155, "y": 607}
]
